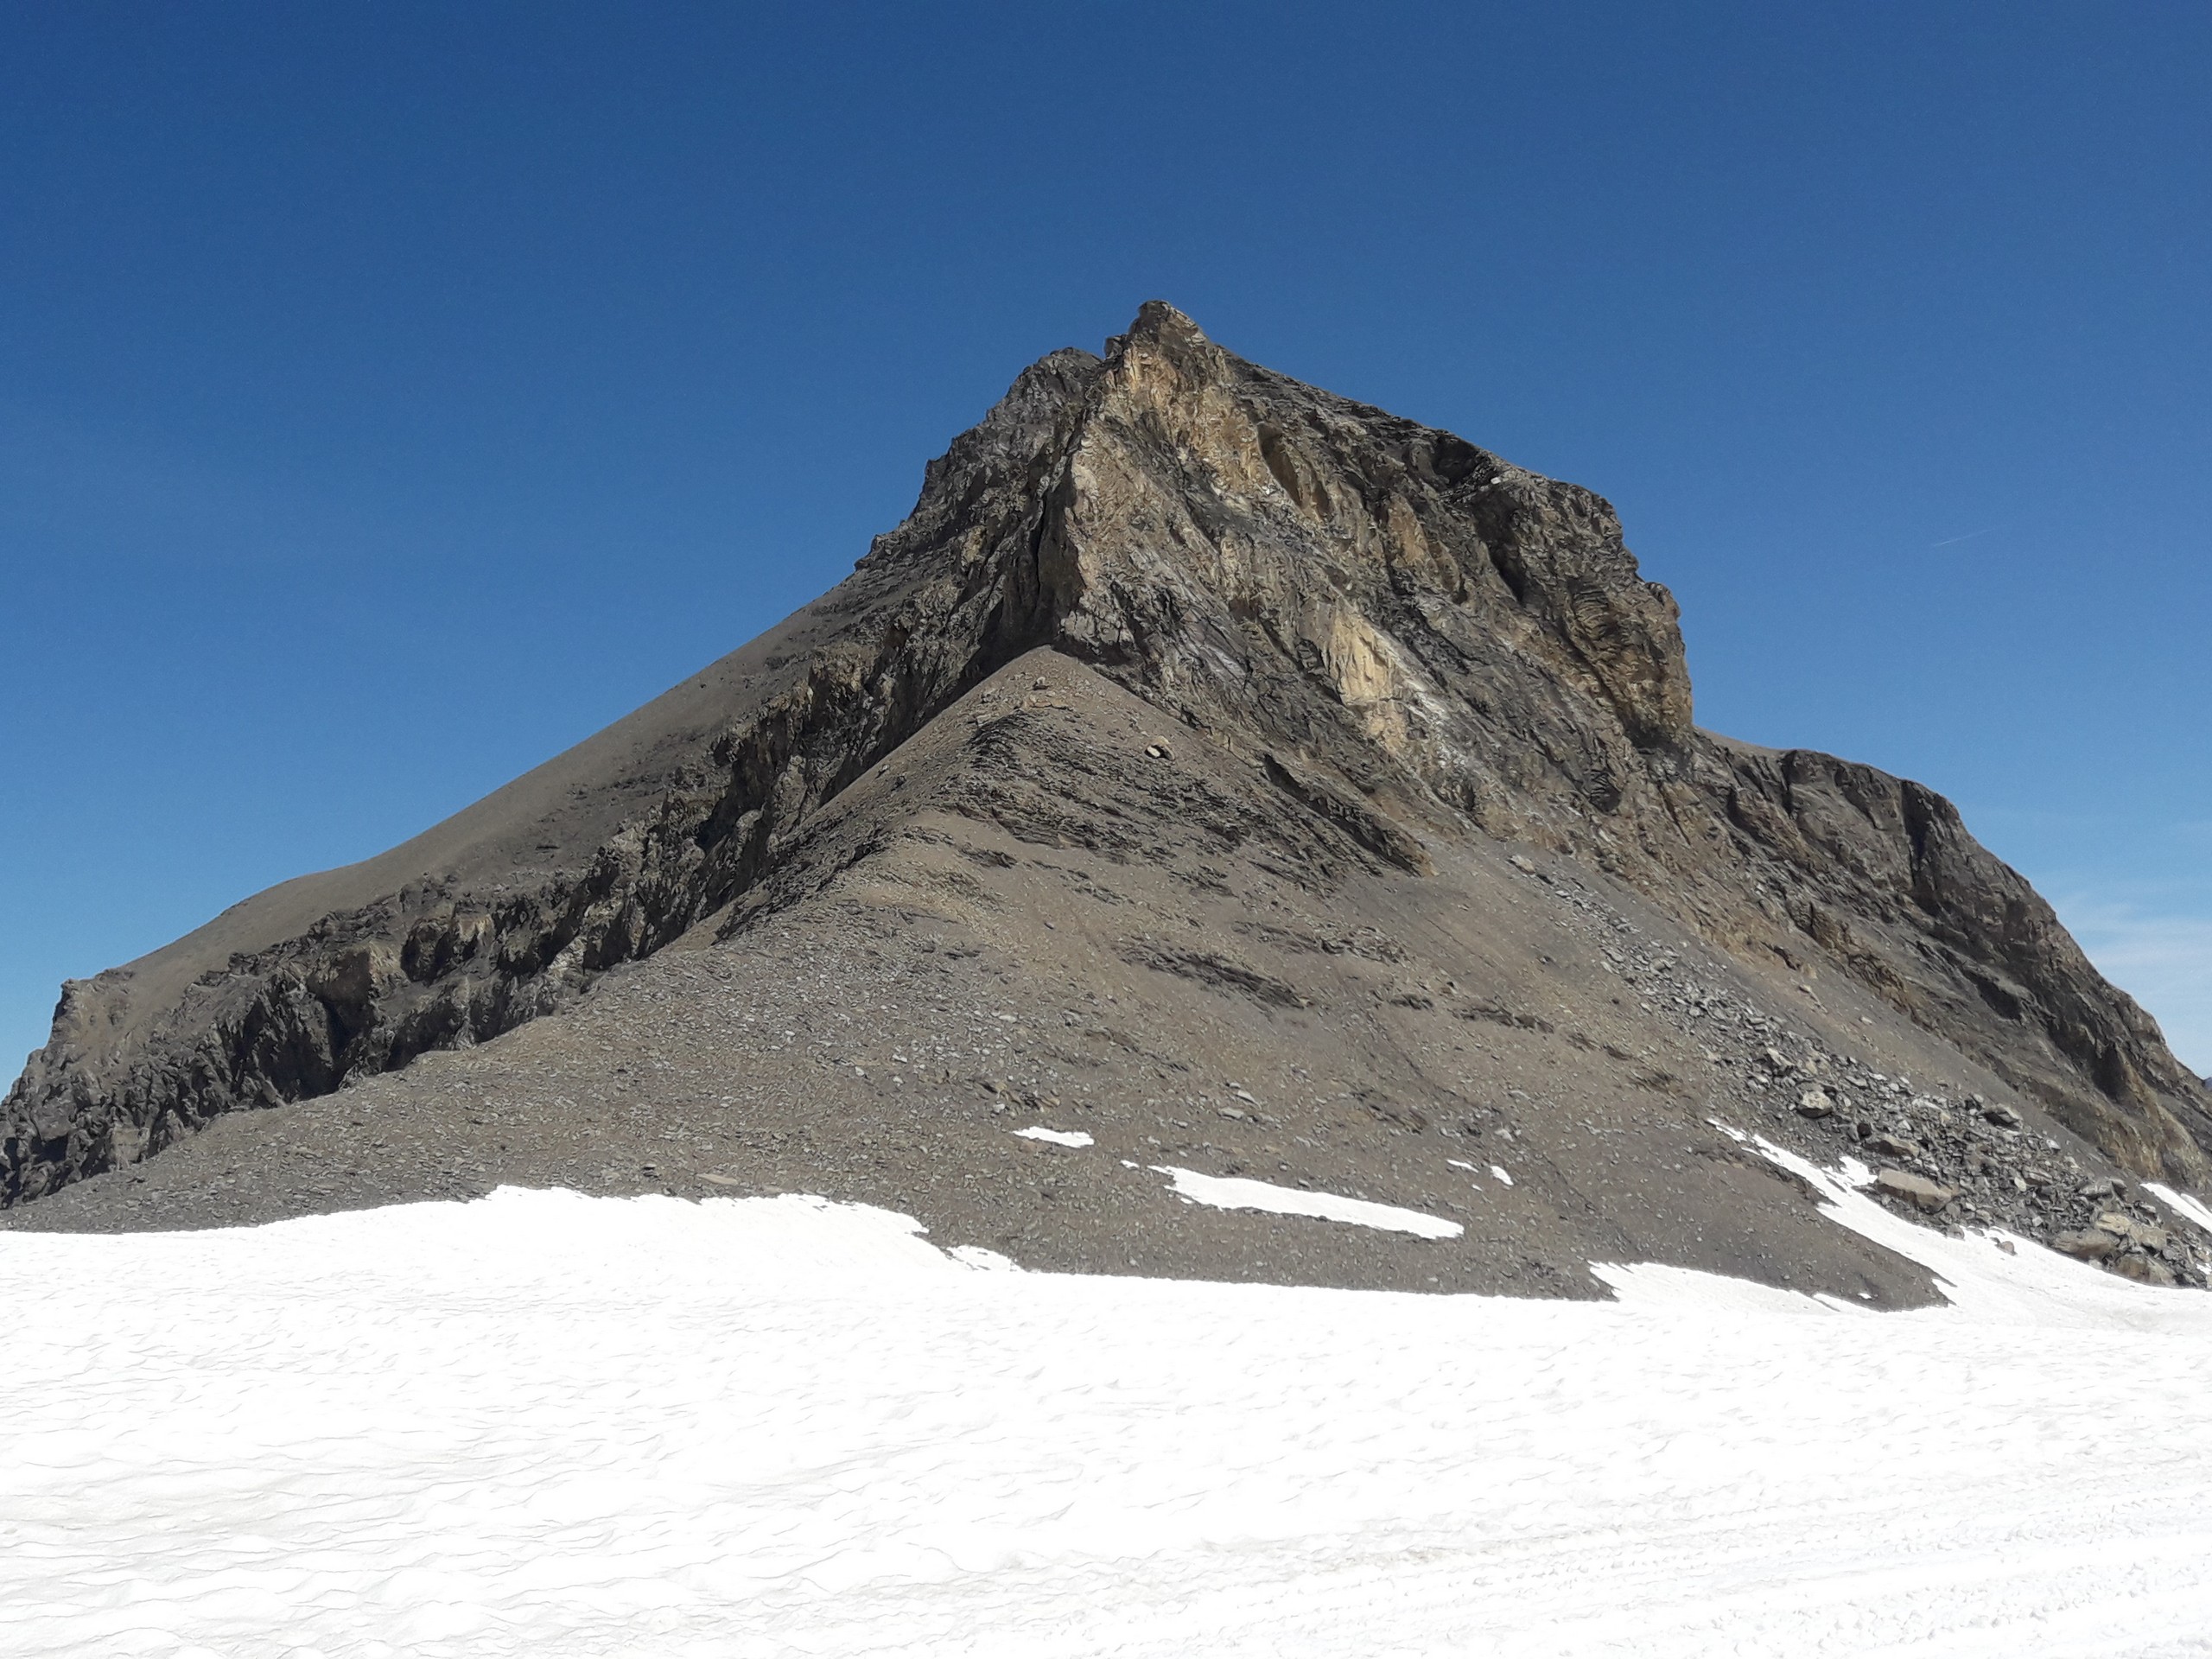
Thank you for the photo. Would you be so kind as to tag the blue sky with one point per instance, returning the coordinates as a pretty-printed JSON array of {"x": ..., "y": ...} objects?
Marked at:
[{"x": 391, "y": 396}]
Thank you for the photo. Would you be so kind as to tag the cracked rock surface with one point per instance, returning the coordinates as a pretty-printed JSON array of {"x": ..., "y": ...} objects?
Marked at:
[{"x": 1255, "y": 780}]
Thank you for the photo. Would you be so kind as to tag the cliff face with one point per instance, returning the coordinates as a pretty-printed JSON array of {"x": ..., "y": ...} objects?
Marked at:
[{"x": 1410, "y": 640}]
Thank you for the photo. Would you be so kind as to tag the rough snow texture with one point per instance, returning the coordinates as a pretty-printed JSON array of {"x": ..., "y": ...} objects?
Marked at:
[
  {"x": 1236, "y": 1193},
  {"x": 554, "y": 1425}
]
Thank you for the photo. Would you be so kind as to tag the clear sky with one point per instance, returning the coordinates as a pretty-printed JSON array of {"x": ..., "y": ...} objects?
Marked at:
[{"x": 392, "y": 394}]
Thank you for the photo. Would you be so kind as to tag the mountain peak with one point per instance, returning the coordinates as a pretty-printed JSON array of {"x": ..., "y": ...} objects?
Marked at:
[
  {"x": 1292, "y": 650},
  {"x": 1158, "y": 323}
]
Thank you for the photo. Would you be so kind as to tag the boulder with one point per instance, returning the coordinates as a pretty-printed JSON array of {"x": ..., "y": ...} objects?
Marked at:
[
  {"x": 2144, "y": 1270},
  {"x": 1914, "y": 1189},
  {"x": 2088, "y": 1244},
  {"x": 2129, "y": 1230}
]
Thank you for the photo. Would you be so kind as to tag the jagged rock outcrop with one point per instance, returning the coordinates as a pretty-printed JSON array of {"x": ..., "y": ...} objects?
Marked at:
[{"x": 1404, "y": 637}]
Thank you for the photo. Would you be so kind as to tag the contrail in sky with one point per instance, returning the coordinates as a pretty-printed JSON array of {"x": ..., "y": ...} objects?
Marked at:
[{"x": 1969, "y": 536}]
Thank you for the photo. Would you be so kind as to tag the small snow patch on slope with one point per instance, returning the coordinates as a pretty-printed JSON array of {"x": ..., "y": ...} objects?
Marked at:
[
  {"x": 1236, "y": 1193},
  {"x": 1057, "y": 1137}
]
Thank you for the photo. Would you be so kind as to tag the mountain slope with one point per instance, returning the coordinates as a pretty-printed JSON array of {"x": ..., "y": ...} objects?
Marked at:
[{"x": 1367, "y": 659}]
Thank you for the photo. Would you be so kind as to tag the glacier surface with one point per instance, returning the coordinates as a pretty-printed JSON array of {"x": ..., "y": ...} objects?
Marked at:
[{"x": 547, "y": 1425}]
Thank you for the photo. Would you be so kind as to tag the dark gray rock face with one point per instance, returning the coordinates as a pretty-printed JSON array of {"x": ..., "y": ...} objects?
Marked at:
[{"x": 1411, "y": 644}]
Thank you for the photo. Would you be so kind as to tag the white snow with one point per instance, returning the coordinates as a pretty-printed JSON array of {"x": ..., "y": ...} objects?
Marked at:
[
  {"x": 1057, "y": 1137},
  {"x": 2192, "y": 1211},
  {"x": 552, "y": 1426},
  {"x": 983, "y": 1261},
  {"x": 1237, "y": 1193},
  {"x": 1498, "y": 1173}
]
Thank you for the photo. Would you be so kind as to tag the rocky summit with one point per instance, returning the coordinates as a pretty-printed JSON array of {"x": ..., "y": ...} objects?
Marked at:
[{"x": 1228, "y": 780}]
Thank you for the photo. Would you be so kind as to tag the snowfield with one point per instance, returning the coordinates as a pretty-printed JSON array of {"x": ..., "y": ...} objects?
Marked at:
[{"x": 546, "y": 1424}]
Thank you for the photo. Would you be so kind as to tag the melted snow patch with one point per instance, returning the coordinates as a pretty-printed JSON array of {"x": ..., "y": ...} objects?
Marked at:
[
  {"x": 1057, "y": 1137},
  {"x": 1236, "y": 1193}
]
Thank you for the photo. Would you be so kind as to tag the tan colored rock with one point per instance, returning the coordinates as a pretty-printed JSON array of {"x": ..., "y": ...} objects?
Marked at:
[
  {"x": 1914, "y": 1189},
  {"x": 2144, "y": 1270},
  {"x": 2089, "y": 1244},
  {"x": 2128, "y": 1230}
]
